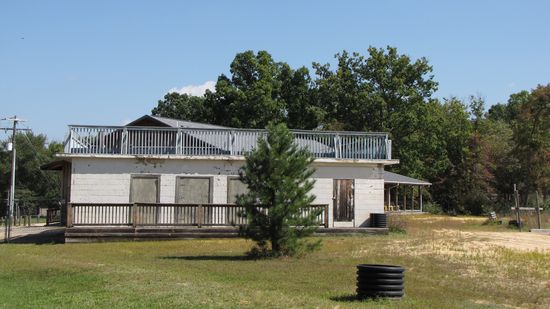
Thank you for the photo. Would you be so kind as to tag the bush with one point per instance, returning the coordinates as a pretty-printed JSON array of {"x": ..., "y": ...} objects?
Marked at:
[
  {"x": 397, "y": 224},
  {"x": 433, "y": 208},
  {"x": 476, "y": 203}
]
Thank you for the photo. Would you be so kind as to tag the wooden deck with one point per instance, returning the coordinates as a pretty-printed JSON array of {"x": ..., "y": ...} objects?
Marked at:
[
  {"x": 124, "y": 233},
  {"x": 89, "y": 222}
]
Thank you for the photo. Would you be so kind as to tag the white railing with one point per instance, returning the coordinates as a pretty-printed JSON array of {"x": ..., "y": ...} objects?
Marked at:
[{"x": 212, "y": 142}]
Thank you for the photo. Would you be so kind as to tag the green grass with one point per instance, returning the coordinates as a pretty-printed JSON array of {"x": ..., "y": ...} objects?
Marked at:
[{"x": 443, "y": 271}]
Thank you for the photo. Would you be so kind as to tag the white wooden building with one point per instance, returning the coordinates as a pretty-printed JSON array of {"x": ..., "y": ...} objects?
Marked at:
[{"x": 165, "y": 163}]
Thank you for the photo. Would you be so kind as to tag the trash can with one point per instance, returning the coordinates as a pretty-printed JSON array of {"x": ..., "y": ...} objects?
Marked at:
[{"x": 378, "y": 220}]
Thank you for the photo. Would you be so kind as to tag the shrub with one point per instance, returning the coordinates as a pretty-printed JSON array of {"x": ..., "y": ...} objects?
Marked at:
[
  {"x": 397, "y": 223},
  {"x": 277, "y": 174},
  {"x": 432, "y": 208}
]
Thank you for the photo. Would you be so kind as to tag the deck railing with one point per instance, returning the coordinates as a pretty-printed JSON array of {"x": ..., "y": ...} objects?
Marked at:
[
  {"x": 159, "y": 214},
  {"x": 212, "y": 142}
]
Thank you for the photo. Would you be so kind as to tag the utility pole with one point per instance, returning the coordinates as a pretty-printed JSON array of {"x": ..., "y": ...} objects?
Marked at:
[{"x": 11, "y": 197}]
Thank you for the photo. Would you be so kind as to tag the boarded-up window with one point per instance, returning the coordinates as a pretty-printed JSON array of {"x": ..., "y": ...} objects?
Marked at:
[
  {"x": 192, "y": 190},
  {"x": 144, "y": 189},
  {"x": 235, "y": 187}
]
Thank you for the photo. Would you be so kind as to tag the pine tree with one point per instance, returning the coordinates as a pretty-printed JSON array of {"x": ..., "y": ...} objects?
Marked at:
[{"x": 277, "y": 174}]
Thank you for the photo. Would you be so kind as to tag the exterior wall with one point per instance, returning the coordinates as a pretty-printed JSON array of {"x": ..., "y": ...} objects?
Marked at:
[
  {"x": 368, "y": 190},
  {"x": 108, "y": 181},
  {"x": 104, "y": 180}
]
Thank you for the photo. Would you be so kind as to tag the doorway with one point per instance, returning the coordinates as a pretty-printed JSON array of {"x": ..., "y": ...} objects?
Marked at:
[{"x": 343, "y": 197}]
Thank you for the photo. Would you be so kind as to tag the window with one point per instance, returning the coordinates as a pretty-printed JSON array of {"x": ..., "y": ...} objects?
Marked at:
[
  {"x": 235, "y": 187},
  {"x": 144, "y": 189},
  {"x": 193, "y": 190}
]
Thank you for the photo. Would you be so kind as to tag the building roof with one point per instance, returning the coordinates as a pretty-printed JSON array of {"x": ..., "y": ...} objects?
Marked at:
[
  {"x": 246, "y": 142},
  {"x": 173, "y": 123},
  {"x": 394, "y": 178}
]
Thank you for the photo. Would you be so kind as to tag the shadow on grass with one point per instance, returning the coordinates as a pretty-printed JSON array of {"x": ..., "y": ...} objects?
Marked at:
[
  {"x": 349, "y": 298},
  {"x": 56, "y": 236},
  {"x": 210, "y": 258},
  {"x": 346, "y": 298}
]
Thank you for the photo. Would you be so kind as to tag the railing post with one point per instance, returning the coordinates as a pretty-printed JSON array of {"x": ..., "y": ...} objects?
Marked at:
[
  {"x": 337, "y": 146},
  {"x": 388, "y": 149},
  {"x": 134, "y": 215},
  {"x": 124, "y": 141},
  {"x": 182, "y": 142},
  {"x": 69, "y": 141},
  {"x": 199, "y": 215},
  {"x": 178, "y": 142},
  {"x": 231, "y": 142},
  {"x": 70, "y": 215}
]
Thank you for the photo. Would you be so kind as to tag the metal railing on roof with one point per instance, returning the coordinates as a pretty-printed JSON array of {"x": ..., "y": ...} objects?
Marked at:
[{"x": 213, "y": 142}]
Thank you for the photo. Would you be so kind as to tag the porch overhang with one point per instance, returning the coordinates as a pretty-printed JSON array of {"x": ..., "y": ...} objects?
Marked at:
[
  {"x": 397, "y": 179},
  {"x": 57, "y": 165}
]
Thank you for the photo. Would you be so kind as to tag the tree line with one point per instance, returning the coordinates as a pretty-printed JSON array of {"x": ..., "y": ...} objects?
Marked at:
[
  {"x": 471, "y": 156},
  {"x": 34, "y": 187}
]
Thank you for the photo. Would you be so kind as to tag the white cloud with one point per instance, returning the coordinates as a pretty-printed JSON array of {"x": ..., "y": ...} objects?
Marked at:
[{"x": 196, "y": 90}]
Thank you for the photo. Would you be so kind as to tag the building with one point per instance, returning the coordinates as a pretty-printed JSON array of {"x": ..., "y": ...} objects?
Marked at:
[{"x": 166, "y": 169}]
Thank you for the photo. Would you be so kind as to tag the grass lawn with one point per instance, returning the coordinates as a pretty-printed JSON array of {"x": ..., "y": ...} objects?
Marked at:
[{"x": 447, "y": 265}]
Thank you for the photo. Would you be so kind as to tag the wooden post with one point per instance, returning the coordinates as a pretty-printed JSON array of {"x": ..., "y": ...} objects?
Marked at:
[
  {"x": 412, "y": 198},
  {"x": 397, "y": 196},
  {"x": 537, "y": 209},
  {"x": 389, "y": 197},
  {"x": 134, "y": 215},
  {"x": 405, "y": 198},
  {"x": 326, "y": 215},
  {"x": 199, "y": 215},
  {"x": 516, "y": 198},
  {"x": 420, "y": 189},
  {"x": 70, "y": 215}
]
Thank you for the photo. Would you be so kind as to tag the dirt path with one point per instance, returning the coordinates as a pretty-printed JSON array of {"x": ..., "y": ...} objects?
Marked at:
[
  {"x": 34, "y": 234},
  {"x": 524, "y": 241}
]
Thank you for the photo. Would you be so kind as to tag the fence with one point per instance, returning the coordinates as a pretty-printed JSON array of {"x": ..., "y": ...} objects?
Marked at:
[
  {"x": 209, "y": 142},
  {"x": 158, "y": 214},
  {"x": 53, "y": 216}
]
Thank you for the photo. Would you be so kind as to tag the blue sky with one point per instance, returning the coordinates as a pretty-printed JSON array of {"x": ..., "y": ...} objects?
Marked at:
[{"x": 106, "y": 62}]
